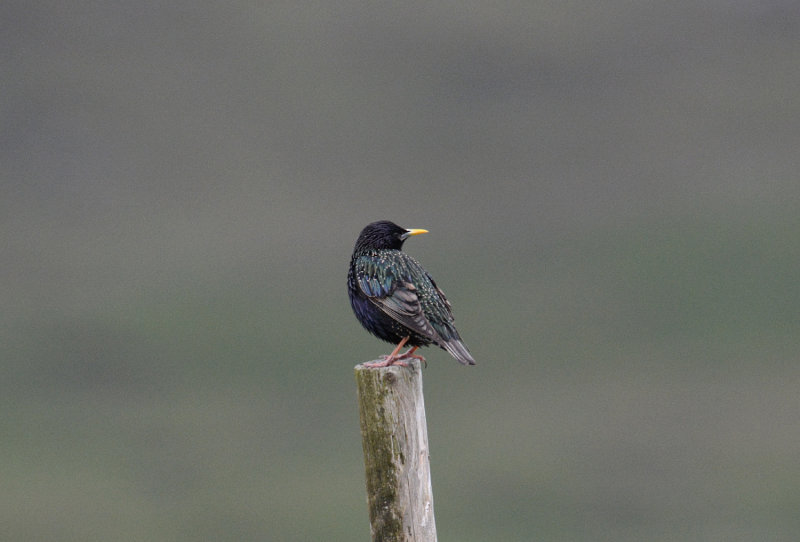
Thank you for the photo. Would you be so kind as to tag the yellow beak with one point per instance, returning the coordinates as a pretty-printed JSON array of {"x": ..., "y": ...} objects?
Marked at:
[{"x": 409, "y": 233}]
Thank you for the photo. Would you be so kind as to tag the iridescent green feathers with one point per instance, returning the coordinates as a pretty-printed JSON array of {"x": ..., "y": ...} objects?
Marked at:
[
  {"x": 399, "y": 286},
  {"x": 394, "y": 297}
]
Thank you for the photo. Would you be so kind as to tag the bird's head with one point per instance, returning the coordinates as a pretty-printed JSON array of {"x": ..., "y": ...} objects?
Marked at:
[{"x": 384, "y": 235}]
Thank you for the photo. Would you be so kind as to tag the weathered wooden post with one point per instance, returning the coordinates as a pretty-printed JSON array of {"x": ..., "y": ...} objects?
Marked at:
[{"x": 395, "y": 439}]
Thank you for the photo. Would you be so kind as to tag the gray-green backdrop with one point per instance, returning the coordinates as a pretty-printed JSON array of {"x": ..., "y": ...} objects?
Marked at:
[{"x": 612, "y": 192}]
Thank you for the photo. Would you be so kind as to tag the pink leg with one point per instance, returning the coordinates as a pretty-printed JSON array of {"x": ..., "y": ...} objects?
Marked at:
[
  {"x": 410, "y": 354},
  {"x": 391, "y": 359}
]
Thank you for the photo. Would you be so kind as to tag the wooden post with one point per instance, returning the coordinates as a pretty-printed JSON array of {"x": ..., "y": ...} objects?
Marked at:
[{"x": 395, "y": 439}]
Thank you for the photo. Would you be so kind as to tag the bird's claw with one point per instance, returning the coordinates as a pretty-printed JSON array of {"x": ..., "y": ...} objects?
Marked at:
[
  {"x": 385, "y": 361},
  {"x": 398, "y": 359},
  {"x": 410, "y": 355}
]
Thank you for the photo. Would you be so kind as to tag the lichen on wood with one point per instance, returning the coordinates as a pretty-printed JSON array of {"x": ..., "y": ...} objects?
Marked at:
[{"x": 395, "y": 442}]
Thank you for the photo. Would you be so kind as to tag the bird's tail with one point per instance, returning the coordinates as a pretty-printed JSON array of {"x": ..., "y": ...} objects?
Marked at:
[{"x": 459, "y": 351}]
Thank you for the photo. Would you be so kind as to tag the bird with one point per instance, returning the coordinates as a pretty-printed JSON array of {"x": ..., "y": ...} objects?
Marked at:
[{"x": 396, "y": 300}]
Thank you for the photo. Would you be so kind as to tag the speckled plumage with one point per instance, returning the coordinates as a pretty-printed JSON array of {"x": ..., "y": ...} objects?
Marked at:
[{"x": 394, "y": 297}]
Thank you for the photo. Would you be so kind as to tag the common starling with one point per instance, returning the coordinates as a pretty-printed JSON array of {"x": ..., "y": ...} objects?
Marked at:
[{"x": 396, "y": 300}]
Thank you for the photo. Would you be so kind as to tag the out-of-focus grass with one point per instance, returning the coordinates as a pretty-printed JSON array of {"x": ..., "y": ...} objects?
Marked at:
[
  {"x": 612, "y": 201},
  {"x": 638, "y": 382}
]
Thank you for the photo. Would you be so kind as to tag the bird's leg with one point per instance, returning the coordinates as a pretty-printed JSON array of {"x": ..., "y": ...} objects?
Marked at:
[
  {"x": 391, "y": 359},
  {"x": 410, "y": 354}
]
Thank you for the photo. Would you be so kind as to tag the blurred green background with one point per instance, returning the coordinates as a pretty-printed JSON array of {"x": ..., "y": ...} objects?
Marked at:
[{"x": 612, "y": 193}]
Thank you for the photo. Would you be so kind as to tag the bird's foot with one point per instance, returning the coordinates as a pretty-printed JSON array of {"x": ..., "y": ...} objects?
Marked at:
[
  {"x": 386, "y": 361},
  {"x": 397, "y": 359},
  {"x": 394, "y": 358},
  {"x": 409, "y": 354}
]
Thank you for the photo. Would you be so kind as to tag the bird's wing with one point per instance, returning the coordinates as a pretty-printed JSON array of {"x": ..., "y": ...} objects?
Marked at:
[
  {"x": 392, "y": 287},
  {"x": 440, "y": 315},
  {"x": 438, "y": 310}
]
